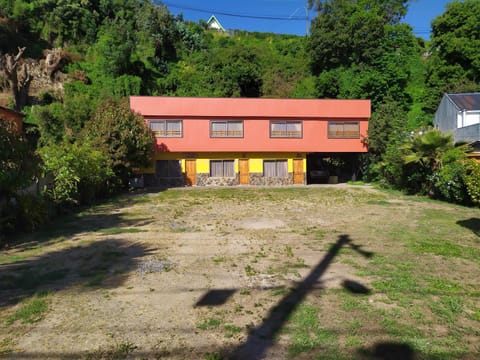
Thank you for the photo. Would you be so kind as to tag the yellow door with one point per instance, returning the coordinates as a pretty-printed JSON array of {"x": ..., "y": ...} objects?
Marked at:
[
  {"x": 298, "y": 177},
  {"x": 244, "y": 171},
  {"x": 190, "y": 172}
]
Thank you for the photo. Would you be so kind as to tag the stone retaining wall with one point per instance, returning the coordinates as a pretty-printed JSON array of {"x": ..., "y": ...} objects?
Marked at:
[
  {"x": 259, "y": 179},
  {"x": 206, "y": 180}
]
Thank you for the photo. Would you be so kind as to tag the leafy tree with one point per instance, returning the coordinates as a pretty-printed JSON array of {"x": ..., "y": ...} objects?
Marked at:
[
  {"x": 123, "y": 136},
  {"x": 454, "y": 63},
  {"x": 358, "y": 49},
  {"x": 385, "y": 127},
  {"x": 50, "y": 123},
  {"x": 113, "y": 50},
  {"x": 17, "y": 160},
  {"x": 80, "y": 172},
  {"x": 157, "y": 26},
  {"x": 351, "y": 32}
]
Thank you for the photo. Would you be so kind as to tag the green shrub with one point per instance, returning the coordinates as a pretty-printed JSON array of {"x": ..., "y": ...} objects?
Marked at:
[
  {"x": 32, "y": 212},
  {"x": 449, "y": 183},
  {"x": 80, "y": 172},
  {"x": 472, "y": 180}
]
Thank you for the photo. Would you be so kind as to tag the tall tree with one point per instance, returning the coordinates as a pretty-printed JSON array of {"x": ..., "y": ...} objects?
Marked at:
[
  {"x": 347, "y": 32},
  {"x": 454, "y": 63},
  {"x": 123, "y": 136},
  {"x": 359, "y": 49}
]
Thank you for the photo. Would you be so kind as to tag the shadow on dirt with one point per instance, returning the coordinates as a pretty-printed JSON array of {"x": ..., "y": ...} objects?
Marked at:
[
  {"x": 102, "y": 219},
  {"x": 215, "y": 297},
  {"x": 56, "y": 257},
  {"x": 389, "y": 351},
  {"x": 103, "y": 263},
  {"x": 262, "y": 337}
]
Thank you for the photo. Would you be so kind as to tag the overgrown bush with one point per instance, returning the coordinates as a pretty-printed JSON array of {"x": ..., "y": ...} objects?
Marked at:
[
  {"x": 32, "y": 212},
  {"x": 80, "y": 172},
  {"x": 472, "y": 180},
  {"x": 449, "y": 183}
]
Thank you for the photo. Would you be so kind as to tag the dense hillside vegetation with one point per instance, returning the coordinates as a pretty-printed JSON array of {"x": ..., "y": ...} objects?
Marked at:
[{"x": 107, "y": 50}]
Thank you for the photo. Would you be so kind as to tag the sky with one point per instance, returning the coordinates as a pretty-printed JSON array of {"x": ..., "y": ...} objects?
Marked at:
[{"x": 286, "y": 16}]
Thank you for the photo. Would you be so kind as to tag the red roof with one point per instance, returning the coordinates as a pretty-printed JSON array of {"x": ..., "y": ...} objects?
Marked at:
[{"x": 249, "y": 107}]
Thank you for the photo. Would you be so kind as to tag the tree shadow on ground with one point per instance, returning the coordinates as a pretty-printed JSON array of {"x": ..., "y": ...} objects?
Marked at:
[
  {"x": 57, "y": 257},
  {"x": 99, "y": 218},
  {"x": 104, "y": 263},
  {"x": 262, "y": 337},
  {"x": 123, "y": 350},
  {"x": 472, "y": 224},
  {"x": 388, "y": 351}
]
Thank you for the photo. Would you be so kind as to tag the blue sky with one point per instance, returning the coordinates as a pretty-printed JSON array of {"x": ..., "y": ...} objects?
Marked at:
[{"x": 285, "y": 16}]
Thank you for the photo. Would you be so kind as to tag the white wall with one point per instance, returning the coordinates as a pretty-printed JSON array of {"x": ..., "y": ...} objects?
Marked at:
[{"x": 468, "y": 118}]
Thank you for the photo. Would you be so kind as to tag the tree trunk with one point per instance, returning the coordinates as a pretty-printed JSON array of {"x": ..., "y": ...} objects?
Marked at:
[{"x": 17, "y": 76}]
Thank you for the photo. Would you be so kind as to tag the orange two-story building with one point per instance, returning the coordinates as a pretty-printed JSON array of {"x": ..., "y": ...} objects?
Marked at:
[{"x": 241, "y": 141}]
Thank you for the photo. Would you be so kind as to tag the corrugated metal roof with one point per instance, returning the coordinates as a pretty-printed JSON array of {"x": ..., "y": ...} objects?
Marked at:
[{"x": 467, "y": 102}]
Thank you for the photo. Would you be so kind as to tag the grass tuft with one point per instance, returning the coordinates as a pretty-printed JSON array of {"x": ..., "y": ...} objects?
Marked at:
[
  {"x": 31, "y": 311},
  {"x": 117, "y": 230}
]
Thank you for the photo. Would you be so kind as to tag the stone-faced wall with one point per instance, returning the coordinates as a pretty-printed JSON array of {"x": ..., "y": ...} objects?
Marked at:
[
  {"x": 206, "y": 180},
  {"x": 259, "y": 179}
]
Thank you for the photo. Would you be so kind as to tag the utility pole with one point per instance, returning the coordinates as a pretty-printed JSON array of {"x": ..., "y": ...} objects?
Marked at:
[{"x": 306, "y": 17}]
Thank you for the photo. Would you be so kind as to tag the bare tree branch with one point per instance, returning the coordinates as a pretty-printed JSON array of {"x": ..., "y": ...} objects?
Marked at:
[
  {"x": 52, "y": 61},
  {"x": 10, "y": 71}
]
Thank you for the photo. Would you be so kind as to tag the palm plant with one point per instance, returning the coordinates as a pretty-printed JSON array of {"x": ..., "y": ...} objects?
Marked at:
[
  {"x": 426, "y": 153},
  {"x": 428, "y": 149}
]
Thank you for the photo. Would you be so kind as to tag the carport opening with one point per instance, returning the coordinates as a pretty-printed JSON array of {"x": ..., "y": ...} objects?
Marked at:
[{"x": 332, "y": 168}]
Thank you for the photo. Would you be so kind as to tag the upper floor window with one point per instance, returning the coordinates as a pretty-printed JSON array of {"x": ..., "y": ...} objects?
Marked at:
[
  {"x": 343, "y": 130},
  {"x": 231, "y": 129},
  {"x": 285, "y": 129},
  {"x": 167, "y": 128}
]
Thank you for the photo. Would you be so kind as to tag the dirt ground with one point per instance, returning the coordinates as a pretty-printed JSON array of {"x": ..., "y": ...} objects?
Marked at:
[{"x": 202, "y": 273}]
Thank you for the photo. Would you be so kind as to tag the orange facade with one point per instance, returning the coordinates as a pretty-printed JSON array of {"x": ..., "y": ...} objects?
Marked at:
[
  {"x": 256, "y": 114},
  {"x": 245, "y": 141}
]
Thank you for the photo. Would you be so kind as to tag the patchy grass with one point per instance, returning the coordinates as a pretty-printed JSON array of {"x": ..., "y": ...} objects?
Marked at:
[
  {"x": 416, "y": 259},
  {"x": 211, "y": 323},
  {"x": 121, "y": 350},
  {"x": 115, "y": 231},
  {"x": 307, "y": 334},
  {"x": 31, "y": 311}
]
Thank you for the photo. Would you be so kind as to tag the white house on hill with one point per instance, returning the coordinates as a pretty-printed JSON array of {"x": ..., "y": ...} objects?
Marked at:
[{"x": 214, "y": 24}]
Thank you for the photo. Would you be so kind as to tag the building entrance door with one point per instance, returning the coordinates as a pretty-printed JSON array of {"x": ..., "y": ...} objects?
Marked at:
[
  {"x": 190, "y": 172},
  {"x": 244, "y": 171},
  {"x": 298, "y": 177}
]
